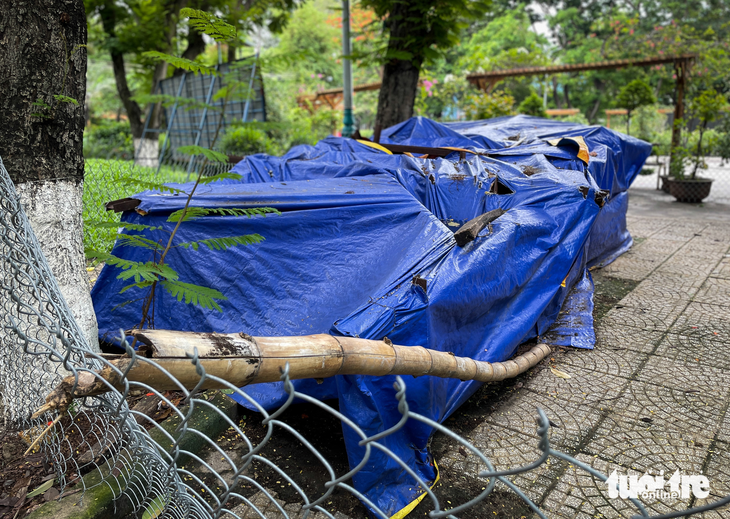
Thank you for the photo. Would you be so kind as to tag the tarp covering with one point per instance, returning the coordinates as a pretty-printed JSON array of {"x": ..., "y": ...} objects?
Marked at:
[{"x": 359, "y": 226}]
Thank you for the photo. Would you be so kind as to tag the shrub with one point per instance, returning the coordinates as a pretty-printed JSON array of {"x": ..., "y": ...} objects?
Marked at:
[
  {"x": 487, "y": 106},
  {"x": 109, "y": 140},
  {"x": 244, "y": 140},
  {"x": 532, "y": 105}
]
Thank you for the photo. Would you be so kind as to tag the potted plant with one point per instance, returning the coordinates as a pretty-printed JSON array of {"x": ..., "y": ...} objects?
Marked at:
[{"x": 688, "y": 187}]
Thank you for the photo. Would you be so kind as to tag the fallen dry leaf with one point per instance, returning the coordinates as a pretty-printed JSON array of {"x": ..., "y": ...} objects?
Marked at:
[{"x": 558, "y": 373}]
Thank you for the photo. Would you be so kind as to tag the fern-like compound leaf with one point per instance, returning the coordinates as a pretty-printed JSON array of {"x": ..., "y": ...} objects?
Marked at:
[
  {"x": 194, "y": 294},
  {"x": 123, "y": 225},
  {"x": 209, "y": 24},
  {"x": 181, "y": 63},
  {"x": 197, "y": 212},
  {"x": 224, "y": 243},
  {"x": 149, "y": 186},
  {"x": 211, "y": 155}
]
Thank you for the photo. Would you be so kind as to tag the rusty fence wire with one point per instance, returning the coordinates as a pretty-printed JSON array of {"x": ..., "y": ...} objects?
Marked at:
[{"x": 173, "y": 468}]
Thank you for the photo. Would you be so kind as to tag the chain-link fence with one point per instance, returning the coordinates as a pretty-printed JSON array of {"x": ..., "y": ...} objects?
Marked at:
[
  {"x": 109, "y": 180},
  {"x": 159, "y": 466}
]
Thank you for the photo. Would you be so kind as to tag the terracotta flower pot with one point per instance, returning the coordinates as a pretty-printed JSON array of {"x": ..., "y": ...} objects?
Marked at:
[{"x": 689, "y": 190}]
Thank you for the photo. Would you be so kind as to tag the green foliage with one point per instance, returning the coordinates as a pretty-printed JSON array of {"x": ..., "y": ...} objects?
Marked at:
[
  {"x": 148, "y": 275},
  {"x": 422, "y": 30},
  {"x": 722, "y": 147},
  {"x": 209, "y": 24},
  {"x": 181, "y": 63},
  {"x": 707, "y": 106},
  {"x": 211, "y": 155},
  {"x": 65, "y": 99},
  {"x": 194, "y": 294},
  {"x": 245, "y": 140},
  {"x": 108, "y": 140},
  {"x": 193, "y": 213},
  {"x": 532, "y": 105},
  {"x": 223, "y": 243},
  {"x": 186, "y": 103},
  {"x": 480, "y": 105},
  {"x": 635, "y": 95}
]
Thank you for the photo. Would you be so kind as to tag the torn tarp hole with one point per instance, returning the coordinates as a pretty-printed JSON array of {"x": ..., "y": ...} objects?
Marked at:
[
  {"x": 601, "y": 197},
  {"x": 498, "y": 188},
  {"x": 419, "y": 281},
  {"x": 530, "y": 170},
  {"x": 584, "y": 190}
]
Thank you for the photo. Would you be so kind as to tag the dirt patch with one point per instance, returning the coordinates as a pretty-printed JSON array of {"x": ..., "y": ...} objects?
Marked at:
[
  {"x": 21, "y": 474},
  {"x": 609, "y": 291},
  {"x": 456, "y": 488},
  {"x": 317, "y": 426}
]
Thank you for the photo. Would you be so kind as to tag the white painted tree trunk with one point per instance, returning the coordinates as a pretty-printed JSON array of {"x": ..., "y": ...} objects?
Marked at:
[
  {"x": 147, "y": 154},
  {"x": 54, "y": 211}
]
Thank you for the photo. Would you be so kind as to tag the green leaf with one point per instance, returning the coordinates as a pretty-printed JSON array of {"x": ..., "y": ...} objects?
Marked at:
[
  {"x": 149, "y": 271},
  {"x": 41, "y": 103},
  {"x": 188, "y": 103},
  {"x": 181, "y": 63},
  {"x": 197, "y": 212},
  {"x": 150, "y": 186},
  {"x": 191, "y": 213},
  {"x": 209, "y": 24},
  {"x": 214, "y": 156},
  {"x": 122, "y": 225},
  {"x": 141, "y": 284},
  {"x": 224, "y": 243},
  {"x": 110, "y": 259},
  {"x": 135, "y": 240},
  {"x": 65, "y": 99},
  {"x": 220, "y": 176},
  {"x": 194, "y": 294},
  {"x": 41, "y": 489}
]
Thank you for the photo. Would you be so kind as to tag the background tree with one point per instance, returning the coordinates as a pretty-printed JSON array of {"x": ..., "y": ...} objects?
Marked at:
[
  {"x": 632, "y": 96},
  {"x": 418, "y": 30},
  {"x": 43, "y": 66},
  {"x": 706, "y": 107},
  {"x": 130, "y": 28}
]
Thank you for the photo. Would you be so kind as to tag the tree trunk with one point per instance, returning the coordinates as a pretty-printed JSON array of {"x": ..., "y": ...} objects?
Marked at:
[
  {"x": 556, "y": 97},
  {"x": 147, "y": 152},
  {"x": 400, "y": 76},
  {"x": 41, "y": 58},
  {"x": 240, "y": 360},
  {"x": 134, "y": 112}
]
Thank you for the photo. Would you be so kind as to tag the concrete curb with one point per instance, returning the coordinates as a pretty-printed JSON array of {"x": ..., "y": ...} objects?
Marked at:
[{"x": 99, "y": 502}]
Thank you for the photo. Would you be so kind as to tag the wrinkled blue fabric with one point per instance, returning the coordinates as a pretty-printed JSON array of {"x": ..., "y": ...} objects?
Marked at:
[{"x": 357, "y": 226}]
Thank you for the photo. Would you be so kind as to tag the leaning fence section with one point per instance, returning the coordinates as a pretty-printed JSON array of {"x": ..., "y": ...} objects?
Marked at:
[{"x": 160, "y": 467}]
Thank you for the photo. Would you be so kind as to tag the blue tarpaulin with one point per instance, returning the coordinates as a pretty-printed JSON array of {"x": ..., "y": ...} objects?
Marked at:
[{"x": 358, "y": 225}]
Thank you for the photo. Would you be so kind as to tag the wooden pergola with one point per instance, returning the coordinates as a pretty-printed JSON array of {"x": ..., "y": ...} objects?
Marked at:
[
  {"x": 331, "y": 97},
  {"x": 487, "y": 80}
]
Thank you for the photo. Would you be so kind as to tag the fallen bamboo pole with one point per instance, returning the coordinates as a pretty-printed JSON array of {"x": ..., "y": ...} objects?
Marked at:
[{"x": 241, "y": 360}]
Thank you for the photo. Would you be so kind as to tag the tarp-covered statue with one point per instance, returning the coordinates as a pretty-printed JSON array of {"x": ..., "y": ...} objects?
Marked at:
[{"x": 364, "y": 247}]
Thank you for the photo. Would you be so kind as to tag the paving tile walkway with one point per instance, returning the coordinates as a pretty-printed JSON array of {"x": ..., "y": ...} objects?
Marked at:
[{"x": 654, "y": 393}]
